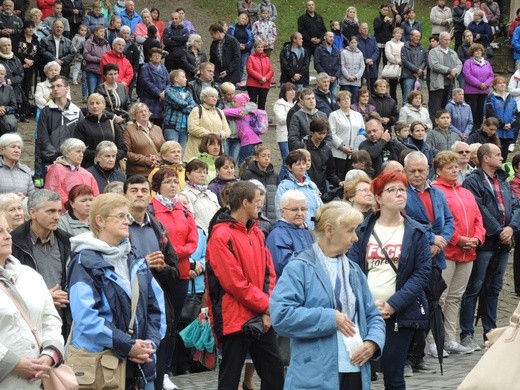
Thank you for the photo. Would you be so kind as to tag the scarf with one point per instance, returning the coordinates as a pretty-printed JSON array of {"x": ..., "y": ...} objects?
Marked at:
[
  {"x": 168, "y": 203},
  {"x": 7, "y": 56},
  {"x": 199, "y": 187},
  {"x": 351, "y": 22},
  {"x": 344, "y": 298},
  {"x": 479, "y": 62}
]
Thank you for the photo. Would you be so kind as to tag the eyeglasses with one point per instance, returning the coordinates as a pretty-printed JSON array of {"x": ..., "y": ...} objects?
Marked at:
[
  {"x": 363, "y": 190},
  {"x": 296, "y": 209},
  {"x": 395, "y": 190},
  {"x": 122, "y": 217},
  {"x": 463, "y": 152},
  {"x": 170, "y": 182}
]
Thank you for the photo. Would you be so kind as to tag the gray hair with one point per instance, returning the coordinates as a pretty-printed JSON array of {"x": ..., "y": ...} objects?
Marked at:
[
  {"x": 119, "y": 40},
  {"x": 291, "y": 196},
  {"x": 7, "y": 199},
  {"x": 105, "y": 147},
  {"x": 415, "y": 156},
  {"x": 71, "y": 144},
  {"x": 145, "y": 11},
  {"x": 49, "y": 65},
  {"x": 453, "y": 147},
  {"x": 355, "y": 174},
  {"x": 210, "y": 91},
  {"x": 456, "y": 91},
  {"x": 3, "y": 68},
  {"x": 444, "y": 34},
  {"x": 10, "y": 138},
  {"x": 4, "y": 40},
  {"x": 115, "y": 187},
  {"x": 38, "y": 198},
  {"x": 192, "y": 38},
  {"x": 123, "y": 29},
  {"x": 322, "y": 76}
]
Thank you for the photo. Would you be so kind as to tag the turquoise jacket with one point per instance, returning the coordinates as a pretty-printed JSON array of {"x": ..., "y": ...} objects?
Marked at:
[{"x": 302, "y": 308}]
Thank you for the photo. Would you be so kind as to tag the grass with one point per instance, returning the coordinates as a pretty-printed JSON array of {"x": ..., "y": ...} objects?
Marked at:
[{"x": 290, "y": 10}]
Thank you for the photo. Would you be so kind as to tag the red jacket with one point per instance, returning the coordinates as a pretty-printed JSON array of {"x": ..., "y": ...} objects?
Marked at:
[
  {"x": 515, "y": 185},
  {"x": 240, "y": 274},
  {"x": 182, "y": 231},
  {"x": 466, "y": 217},
  {"x": 258, "y": 66},
  {"x": 46, "y": 7},
  {"x": 126, "y": 72}
]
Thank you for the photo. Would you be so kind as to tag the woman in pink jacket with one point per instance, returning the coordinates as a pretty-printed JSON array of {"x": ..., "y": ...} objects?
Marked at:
[
  {"x": 461, "y": 251},
  {"x": 259, "y": 74}
]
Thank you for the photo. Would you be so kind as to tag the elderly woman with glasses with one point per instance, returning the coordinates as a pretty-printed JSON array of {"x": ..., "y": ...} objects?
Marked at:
[
  {"x": 104, "y": 273},
  {"x": 357, "y": 193},
  {"x": 66, "y": 171},
  {"x": 394, "y": 253},
  {"x": 14, "y": 176},
  {"x": 205, "y": 119},
  {"x": 290, "y": 233},
  {"x": 192, "y": 56}
]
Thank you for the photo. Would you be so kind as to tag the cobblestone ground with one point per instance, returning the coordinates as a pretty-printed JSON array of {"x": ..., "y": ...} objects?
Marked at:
[{"x": 455, "y": 367}]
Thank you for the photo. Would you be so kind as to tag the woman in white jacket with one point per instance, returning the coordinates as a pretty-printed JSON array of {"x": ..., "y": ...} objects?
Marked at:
[
  {"x": 281, "y": 107},
  {"x": 414, "y": 110},
  {"x": 352, "y": 68},
  {"x": 21, "y": 361},
  {"x": 344, "y": 127},
  {"x": 393, "y": 55}
]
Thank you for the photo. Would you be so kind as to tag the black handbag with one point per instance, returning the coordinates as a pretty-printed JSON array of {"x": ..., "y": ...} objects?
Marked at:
[{"x": 191, "y": 307}]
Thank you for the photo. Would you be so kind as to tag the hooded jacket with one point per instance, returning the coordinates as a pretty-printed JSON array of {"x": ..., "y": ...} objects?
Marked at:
[
  {"x": 299, "y": 127},
  {"x": 101, "y": 302},
  {"x": 126, "y": 72},
  {"x": 240, "y": 274},
  {"x": 290, "y": 64},
  {"x": 269, "y": 178},
  {"x": 93, "y": 51}
]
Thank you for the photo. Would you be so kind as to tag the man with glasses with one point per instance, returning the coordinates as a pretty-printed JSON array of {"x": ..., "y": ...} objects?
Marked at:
[
  {"x": 151, "y": 240},
  {"x": 426, "y": 205},
  {"x": 462, "y": 148},
  {"x": 57, "y": 122},
  {"x": 41, "y": 245},
  {"x": 500, "y": 211}
]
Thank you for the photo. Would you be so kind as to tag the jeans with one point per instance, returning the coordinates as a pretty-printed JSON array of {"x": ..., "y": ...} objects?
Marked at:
[
  {"x": 394, "y": 355},
  {"x": 93, "y": 80},
  {"x": 353, "y": 89},
  {"x": 407, "y": 86},
  {"x": 245, "y": 152},
  {"x": 476, "y": 281},
  {"x": 232, "y": 148},
  {"x": 243, "y": 61},
  {"x": 181, "y": 135},
  {"x": 284, "y": 149},
  {"x": 334, "y": 87}
]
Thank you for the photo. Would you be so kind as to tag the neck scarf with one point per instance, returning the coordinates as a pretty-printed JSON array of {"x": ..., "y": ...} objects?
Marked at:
[
  {"x": 166, "y": 202},
  {"x": 200, "y": 187}
]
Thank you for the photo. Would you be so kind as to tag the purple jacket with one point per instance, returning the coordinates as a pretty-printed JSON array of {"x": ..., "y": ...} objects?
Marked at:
[
  {"x": 244, "y": 130},
  {"x": 93, "y": 50},
  {"x": 475, "y": 75}
]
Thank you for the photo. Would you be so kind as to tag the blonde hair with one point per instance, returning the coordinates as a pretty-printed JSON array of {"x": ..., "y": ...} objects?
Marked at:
[
  {"x": 98, "y": 97},
  {"x": 103, "y": 205},
  {"x": 168, "y": 146},
  {"x": 338, "y": 214}
]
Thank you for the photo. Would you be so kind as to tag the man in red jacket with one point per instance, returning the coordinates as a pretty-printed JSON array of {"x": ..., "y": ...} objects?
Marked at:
[{"x": 241, "y": 277}]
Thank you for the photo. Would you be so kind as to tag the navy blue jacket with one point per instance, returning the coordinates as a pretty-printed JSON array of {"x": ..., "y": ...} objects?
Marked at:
[
  {"x": 370, "y": 50},
  {"x": 413, "y": 272},
  {"x": 485, "y": 196},
  {"x": 443, "y": 223},
  {"x": 329, "y": 63},
  {"x": 325, "y": 102}
]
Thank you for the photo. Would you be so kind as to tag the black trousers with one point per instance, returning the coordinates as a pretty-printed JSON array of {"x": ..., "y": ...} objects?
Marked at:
[
  {"x": 476, "y": 102},
  {"x": 258, "y": 96},
  {"x": 265, "y": 354},
  {"x": 438, "y": 100}
]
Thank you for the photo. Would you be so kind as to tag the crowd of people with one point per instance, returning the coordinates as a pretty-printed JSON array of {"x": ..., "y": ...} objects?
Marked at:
[{"x": 162, "y": 189}]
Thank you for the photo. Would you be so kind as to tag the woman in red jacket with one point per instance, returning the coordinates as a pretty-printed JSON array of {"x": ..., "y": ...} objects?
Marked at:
[
  {"x": 259, "y": 74},
  {"x": 461, "y": 251}
]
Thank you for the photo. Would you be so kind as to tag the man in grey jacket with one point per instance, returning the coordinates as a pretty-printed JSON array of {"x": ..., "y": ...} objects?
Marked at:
[
  {"x": 445, "y": 67},
  {"x": 413, "y": 58}
]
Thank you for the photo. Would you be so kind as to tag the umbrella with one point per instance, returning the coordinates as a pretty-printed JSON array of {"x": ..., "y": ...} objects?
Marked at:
[
  {"x": 434, "y": 289},
  {"x": 198, "y": 335}
]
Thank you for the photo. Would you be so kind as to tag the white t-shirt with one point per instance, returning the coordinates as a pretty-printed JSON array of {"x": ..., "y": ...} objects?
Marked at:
[{"x": 381, "y": 276}]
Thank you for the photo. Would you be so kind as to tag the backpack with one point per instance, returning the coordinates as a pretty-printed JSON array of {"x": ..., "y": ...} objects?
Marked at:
[
  {"x": 216, "y": 109},
  {"x": 259, "y": 121}
]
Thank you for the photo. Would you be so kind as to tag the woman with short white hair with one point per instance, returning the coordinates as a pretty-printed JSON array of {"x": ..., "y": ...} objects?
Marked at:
[
  {"x": 66, "y": 171},
  {"x": 12, "y": 208},
  {"x": 43, "y": 89},
  {"x": 105, "y": 170},
  {"x": 192, "y": 56},
  {"x": 14, "y": 176},
  {"x": 14, "y": 71}
]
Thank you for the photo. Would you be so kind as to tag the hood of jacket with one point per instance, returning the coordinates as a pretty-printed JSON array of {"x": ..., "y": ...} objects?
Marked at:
[
  {"x": 253, "y": 167},
  {"x": 87, "y": 241}
]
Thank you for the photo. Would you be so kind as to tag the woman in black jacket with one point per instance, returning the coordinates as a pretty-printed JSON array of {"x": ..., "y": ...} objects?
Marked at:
[
  {"x": 385, "y": 105},
  {"x": 193, "y": 56}
]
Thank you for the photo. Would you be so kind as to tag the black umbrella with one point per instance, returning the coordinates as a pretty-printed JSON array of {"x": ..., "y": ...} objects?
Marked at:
[{"x": 434, "y": 289}]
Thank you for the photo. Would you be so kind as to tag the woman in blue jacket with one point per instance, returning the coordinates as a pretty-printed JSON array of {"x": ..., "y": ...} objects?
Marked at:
[
  {"x": 397, "y": 287},
  {"x": 322, "y": 302},
  {"x": 101, "y": 281}
]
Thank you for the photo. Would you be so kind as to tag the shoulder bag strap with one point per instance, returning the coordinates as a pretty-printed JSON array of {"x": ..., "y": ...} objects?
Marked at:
[
  {"x": 374, "y": 234},
  {"x": 135, "y": 299},
  {"x": 18, "y": 303},
  {"x": 113, "y": 128}
]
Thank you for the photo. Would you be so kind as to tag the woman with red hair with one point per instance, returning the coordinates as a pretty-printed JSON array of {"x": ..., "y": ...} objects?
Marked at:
[
  {"x": 75, "y": 219},
  {"x": 394, "y": 253}
]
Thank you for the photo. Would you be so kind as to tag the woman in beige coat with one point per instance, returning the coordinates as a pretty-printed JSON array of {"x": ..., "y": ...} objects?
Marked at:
[{"x": 205, "y": 119}]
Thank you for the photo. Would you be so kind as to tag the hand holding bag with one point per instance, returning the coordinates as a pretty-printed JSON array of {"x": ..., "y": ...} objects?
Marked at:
[
  {"x": 101, "y": 370},
  {"x": 191, "y": 307},
  {"x": 61, "y": 377},
  {"x": 391, "y": 71},
  {"x": 497, "y": 369}
]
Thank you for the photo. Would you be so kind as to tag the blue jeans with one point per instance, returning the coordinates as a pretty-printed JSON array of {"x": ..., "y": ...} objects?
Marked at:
[
  {"x": 93, "y": 80},
  {"x": 84, "y": 86},
  {"x": 394, "y": 355},
  {"x": 232, "y": 148},
  {"x": 476, "y": 280},
  {"x": 243, "y": 61},
  {"x": 353, "y": 89},
  {"x": 334, "y": 87},
  {"x": 407, "y": 85},
  {"x": 245, "y": 152},
  {"x": 284, "y": 149},
  {"x": 181, "y": 136}
]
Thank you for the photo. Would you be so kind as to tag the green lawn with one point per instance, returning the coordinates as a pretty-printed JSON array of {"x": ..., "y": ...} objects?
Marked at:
[{"x": 290, "y": 10}]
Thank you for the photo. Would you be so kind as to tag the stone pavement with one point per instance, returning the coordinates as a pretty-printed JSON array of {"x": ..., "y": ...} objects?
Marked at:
[{"x": 455, "y": 367}]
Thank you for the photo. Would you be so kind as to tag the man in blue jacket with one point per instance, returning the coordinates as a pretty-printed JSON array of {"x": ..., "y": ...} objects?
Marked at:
[
  {"x": 327, "y": 60},
  {"x": 427, "y": 205},
  {"x": 368, "y": 46},
  {"x": 500, "y": 211}
]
